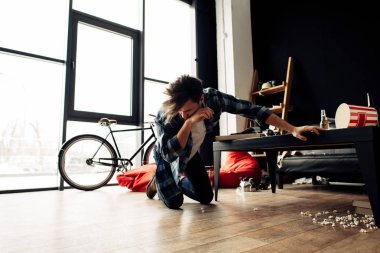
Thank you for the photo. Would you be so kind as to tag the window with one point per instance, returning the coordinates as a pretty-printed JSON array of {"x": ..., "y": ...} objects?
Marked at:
[
  {"x": 34, "y": 26},
  {"x": 169, "y": 48},
  {"x": 169, "y": 39},
  {"x": 51, "y": 91},
  {"x": 127, "y": 13},
  {"x": 31, "y": 113},
  {"x": 154, "y": 94},
  {"x": 105, "y": 71}
]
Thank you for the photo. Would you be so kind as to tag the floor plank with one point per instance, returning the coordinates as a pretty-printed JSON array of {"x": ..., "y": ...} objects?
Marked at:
[{"x": 112, "y": 219}]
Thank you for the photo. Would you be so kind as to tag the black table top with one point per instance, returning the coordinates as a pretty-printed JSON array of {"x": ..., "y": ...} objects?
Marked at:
[{"x": 340, "y": 138}]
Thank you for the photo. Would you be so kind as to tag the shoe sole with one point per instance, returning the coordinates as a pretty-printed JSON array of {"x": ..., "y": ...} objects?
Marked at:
[{"x": 150, "y": 193}]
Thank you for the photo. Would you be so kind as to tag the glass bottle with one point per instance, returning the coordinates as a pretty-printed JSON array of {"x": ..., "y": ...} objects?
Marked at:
[{"x": 324, "y": 121}]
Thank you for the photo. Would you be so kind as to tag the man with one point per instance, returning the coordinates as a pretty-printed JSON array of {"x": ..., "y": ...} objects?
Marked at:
[{"x": 181, "y": 125}]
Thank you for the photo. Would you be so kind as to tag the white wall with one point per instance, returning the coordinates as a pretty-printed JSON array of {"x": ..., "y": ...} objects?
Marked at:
[{"x": 234, "y": 52}]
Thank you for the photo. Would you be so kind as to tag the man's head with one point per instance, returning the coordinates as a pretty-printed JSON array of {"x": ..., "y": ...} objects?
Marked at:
[{"x": 185, "y": 96}]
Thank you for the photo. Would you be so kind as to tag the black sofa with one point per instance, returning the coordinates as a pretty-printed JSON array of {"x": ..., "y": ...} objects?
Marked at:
[{"x": 338, "y": 165}]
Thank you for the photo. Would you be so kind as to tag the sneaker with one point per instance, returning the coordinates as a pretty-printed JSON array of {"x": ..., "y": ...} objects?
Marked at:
[{"x": 151, "y": 189}]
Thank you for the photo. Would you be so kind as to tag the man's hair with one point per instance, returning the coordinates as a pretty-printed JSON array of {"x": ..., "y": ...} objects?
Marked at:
[{"x": 179, "y": 92}]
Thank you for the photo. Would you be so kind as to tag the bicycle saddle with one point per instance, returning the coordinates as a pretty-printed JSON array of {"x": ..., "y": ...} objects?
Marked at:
[{"x": 107, "y": 122}]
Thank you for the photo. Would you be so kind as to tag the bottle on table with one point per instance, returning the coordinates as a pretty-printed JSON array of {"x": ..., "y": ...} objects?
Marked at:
[{"x": 324, "y": 120}]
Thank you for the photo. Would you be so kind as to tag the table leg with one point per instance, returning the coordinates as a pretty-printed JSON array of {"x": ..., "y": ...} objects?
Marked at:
[
  {"x": 216, "y": 172},
  {"x": 367, "y": 152},
  {"x": 272, "y": 165}
]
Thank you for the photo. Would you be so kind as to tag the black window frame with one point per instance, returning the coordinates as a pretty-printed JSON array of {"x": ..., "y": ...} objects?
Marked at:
[{"x": 135, "y": 96}]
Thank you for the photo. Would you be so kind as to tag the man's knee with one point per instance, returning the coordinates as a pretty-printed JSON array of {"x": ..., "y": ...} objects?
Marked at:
[
  {"x": 207, "y": 198},
  {"x": 175, "y": 202}
]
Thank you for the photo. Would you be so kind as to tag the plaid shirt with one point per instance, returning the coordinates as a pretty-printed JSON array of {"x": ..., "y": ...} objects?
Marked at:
[{"x": 171, "y": 159}]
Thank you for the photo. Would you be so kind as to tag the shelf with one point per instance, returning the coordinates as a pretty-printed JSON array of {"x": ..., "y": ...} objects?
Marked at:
[
  {"x": 282, "y": 90},
  {"x": 259, "y": 155},
  {"x": 276, "y": 109},
  {"x": 273, "y": 90}
]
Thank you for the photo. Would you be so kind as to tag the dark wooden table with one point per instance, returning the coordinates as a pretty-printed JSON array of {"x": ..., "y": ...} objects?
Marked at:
[{"x": 364, "y": 139}]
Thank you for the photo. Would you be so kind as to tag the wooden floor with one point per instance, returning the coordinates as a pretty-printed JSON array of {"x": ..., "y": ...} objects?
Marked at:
[{"x": 112, "y": 219}]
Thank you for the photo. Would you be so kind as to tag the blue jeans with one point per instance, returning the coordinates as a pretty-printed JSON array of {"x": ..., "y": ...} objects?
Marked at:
[{"x": 195, "y": 185}]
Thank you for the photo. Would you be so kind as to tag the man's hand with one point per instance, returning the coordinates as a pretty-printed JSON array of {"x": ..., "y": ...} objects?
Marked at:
[
  {"x": 297, "y": 132},
  {"x": 276, "y": 121},
  {"x": 202, "y": 114},
  {"x": 198, "y": 115}
]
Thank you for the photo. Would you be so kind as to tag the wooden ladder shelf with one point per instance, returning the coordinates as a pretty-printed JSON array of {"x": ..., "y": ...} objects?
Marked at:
[{"x": 285, "y": 87}]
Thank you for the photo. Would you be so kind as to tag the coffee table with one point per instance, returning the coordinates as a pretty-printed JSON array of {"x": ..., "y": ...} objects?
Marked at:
[{"x": 366, "y": 141}]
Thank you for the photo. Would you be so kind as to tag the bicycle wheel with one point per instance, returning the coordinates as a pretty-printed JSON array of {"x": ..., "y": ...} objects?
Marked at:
[
  {"x": 148, "y": 154},
  {"x": 87, "y": 162}
]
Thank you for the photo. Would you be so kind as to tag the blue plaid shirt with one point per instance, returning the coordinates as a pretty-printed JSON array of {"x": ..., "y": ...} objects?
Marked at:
[{"x": 171, "y": 159}]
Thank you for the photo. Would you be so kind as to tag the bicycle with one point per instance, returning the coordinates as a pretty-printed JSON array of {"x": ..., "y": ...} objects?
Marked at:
[{"x": 88, "y": 162}]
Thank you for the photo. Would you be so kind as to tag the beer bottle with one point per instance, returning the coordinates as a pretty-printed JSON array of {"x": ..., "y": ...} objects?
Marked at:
[{"x": 324, "y": 121}]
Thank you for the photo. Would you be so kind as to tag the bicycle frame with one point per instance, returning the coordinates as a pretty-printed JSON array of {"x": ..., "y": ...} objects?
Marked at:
[{"x": 124, "y": 162}]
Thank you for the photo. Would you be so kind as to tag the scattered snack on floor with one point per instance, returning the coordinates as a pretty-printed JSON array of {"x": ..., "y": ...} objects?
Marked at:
[{"x": 343, "y": 219}]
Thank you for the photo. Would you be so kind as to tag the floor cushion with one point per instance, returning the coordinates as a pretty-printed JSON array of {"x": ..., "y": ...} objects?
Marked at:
[
  {"x": 137, "y": 179},
  {"x": 238, "y": 165}
]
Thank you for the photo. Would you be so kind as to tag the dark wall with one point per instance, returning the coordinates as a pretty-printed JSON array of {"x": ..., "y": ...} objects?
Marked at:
[
  {"x": 336, "y": 51},
  {"x": 206, "y": 42}
]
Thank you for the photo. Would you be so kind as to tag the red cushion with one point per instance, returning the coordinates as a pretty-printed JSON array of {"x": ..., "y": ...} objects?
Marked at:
[
  {"x": 137, "y": 179},
  {"x": 238, "y": 164}
]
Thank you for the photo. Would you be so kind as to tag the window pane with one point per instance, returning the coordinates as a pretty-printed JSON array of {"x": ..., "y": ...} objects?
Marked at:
[
  {"x": 38, "y": 26},
  {"x": 169, "y": 39},
  {"x": 31, "y": 103},
  {"x": 127, "y": 13},
  {"x": 103, "y": 80},
  {"x": 154, "y": 96}
]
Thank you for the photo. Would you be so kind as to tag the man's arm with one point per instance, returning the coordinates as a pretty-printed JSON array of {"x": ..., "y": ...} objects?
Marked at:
[
  {"x": 230, "y": 104},
  {"x": 199, "y": 115},
  {"x": 184, "y": 133},
  {"x": 276, "y": 121}
]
